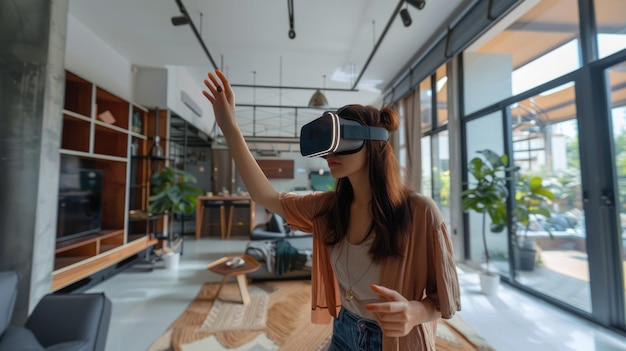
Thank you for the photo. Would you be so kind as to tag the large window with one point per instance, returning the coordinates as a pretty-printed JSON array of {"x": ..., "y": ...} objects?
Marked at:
[
  {"x": 441, "y": 174},
  {"x": 527, "y": 71},
  {"x": 611, "y": 26},
  {"x": 427, "y": 178},
  {"x": 425, "y": 101},
  {"x": 539, "y": 43},
  {"x": 441, "y": 79}
]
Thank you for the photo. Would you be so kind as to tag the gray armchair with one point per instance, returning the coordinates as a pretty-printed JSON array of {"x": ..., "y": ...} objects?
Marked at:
[{"x": 59, "y": 322}]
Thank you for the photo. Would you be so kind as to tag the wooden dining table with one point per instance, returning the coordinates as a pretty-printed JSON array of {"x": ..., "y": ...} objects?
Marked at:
[{"x": 226, "y": 198}]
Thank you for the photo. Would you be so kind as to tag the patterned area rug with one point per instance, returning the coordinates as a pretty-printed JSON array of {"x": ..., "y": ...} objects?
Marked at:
[
  {"x": 287, "y": 327},
  {"x": 232, "y": 315}
]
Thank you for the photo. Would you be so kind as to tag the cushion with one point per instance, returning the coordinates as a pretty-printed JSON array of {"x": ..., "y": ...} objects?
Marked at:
[
  {"x": 19, "y": 339},
  {"x": 276, "y": 224},
  {"x": 79, "y": 345}
]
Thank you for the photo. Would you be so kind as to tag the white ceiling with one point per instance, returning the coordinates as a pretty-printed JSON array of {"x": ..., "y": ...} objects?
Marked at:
[{"x": 334, "y": 38}]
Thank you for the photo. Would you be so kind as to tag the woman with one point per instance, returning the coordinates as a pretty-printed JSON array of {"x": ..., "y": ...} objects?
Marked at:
[{"x": 383, "y": 265}]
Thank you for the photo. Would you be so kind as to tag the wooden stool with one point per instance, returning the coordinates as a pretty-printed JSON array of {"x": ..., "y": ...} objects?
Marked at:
[
  {"x": 208, "y": 204},
  {"x": 231, "y": 214},
  {"x": 219, "y": 266}
]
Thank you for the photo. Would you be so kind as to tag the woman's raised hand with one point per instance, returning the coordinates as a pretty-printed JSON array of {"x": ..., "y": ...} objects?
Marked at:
[{"x": 220, "y": 94}]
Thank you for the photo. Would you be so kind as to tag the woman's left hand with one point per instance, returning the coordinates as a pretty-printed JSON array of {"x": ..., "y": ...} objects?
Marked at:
[{"x": 398, "y": 316}]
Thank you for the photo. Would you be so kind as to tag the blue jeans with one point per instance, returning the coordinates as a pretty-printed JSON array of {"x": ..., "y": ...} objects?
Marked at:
[{"x": 353, "y": 333}]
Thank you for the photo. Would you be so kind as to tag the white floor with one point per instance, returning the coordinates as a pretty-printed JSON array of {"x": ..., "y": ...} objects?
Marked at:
[{"x": 146, "y": 303}]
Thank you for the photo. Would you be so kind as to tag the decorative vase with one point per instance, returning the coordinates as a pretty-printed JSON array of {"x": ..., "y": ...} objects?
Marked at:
[
  {"x": 489, "y": 282},
  {"x": 172, "y": 260}
]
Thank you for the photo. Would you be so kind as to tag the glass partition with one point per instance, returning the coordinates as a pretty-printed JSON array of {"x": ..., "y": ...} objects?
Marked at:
[
  {"x": 550, "y": 252},
  {"x": 485, "y": 133}
]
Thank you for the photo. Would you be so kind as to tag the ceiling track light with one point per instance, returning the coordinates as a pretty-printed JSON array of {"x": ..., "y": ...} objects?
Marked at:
[
  {"x": 419, "y": 4},
  {"x": 406, "y": 17},
  {"x": 180, "y": 20}
]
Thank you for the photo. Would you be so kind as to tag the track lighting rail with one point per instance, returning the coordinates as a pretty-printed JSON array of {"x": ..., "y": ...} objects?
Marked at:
[{"x": 183, "y": 10}]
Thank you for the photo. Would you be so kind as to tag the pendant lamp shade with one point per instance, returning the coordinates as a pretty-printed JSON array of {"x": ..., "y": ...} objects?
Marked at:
[{"x": 318, "y": 100}]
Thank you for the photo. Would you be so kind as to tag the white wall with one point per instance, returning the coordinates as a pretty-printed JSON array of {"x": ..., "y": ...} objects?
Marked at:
[
  {"x": 179, "y": 79},
  {"x": 88, "y": 56},
  {"x": 91, "y": 58},
  {"x": 487, "y": 79}
]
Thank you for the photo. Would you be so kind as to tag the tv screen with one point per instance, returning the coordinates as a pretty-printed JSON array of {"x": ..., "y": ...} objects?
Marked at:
[
  {"x": 80, "y": 203},
  {"x": 322, "y": 182}
]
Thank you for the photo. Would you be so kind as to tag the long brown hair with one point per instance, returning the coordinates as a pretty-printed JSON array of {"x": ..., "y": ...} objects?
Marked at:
[{"x": 390, "y": 196}]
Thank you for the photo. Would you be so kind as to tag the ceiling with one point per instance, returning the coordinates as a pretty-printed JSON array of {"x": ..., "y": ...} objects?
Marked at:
[{"x": 248, "y": 40}]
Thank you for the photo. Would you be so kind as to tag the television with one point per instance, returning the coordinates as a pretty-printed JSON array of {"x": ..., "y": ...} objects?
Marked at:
[
  {"x": 322, "y": 182},
  {"x": 80, "y": 203}
]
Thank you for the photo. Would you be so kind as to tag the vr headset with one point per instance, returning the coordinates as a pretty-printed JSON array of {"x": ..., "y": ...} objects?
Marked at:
[{"x": 331, "y": 134}]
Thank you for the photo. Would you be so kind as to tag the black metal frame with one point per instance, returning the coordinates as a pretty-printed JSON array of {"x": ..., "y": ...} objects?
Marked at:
[{"x": 598, "y": 173}]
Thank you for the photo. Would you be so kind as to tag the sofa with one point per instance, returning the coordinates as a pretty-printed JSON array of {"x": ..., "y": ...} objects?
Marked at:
[
  {"x": 59, "y": 322},
  {"x": 282, "y": 258},
  {"x": 283, "y": 253}
]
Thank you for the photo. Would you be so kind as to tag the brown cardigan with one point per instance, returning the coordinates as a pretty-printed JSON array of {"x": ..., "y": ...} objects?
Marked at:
[{"x": 427, "y": 268}]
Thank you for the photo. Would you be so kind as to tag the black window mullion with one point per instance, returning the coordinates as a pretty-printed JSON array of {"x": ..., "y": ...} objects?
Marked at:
[
  {"x": 599, "y": 199},
  {"x": 588, "y": 32}
]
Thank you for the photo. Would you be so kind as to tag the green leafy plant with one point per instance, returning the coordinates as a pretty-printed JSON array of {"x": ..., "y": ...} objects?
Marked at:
[
  {"x": 530, "y": 198},
  {"x": 489, "y": 193},
  {"x": 173, "y": 191}
]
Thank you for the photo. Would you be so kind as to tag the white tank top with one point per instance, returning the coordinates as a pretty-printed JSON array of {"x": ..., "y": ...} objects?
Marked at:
[{"x": 355, "y": 275}]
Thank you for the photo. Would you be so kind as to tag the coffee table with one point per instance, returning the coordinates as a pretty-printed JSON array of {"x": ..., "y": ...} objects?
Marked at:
[{"x": 219, "y": 266}]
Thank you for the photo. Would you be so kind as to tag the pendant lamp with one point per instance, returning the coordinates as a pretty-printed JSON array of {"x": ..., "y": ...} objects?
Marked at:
[{"x": 318, "y": 100}]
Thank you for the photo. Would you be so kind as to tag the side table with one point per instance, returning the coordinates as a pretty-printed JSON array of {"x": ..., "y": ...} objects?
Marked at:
[{"x": 219, "y": 266}]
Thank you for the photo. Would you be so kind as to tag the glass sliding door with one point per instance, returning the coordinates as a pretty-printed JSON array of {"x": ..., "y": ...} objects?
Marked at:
[
  {"x": 617, "y": 91},
  {"x": 485, "y": 133},
  {"x": 550, "y": 253}
]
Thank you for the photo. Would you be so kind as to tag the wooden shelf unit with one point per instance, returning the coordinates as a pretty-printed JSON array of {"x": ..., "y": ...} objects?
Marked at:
[{"x": 102, "y": 131}]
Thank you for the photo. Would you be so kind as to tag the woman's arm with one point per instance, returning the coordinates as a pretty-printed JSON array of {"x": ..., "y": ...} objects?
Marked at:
[{"x": 222, "y": 97}]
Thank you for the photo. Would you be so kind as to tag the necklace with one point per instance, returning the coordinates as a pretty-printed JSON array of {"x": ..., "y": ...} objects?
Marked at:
[{"x": 349, "y": 294}]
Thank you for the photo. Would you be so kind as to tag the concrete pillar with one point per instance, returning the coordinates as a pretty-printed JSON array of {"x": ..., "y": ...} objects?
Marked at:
[{"x": 32, "y": 54}]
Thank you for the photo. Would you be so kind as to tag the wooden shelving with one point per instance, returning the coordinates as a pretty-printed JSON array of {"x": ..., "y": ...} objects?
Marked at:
[{"x": 103, "y": 131}]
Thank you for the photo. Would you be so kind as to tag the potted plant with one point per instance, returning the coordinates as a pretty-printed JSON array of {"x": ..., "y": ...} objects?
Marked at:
[
  {"x": 488, "y": 196},
  {"x": 530, "y": 198},
  {"x": 172, "y": 191}
]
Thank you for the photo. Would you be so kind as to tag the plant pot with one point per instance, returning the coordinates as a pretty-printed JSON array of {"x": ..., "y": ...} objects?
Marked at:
[
  {"x": 489, "y": 282},
  {"x": 527, "y": 244},
  {"x": 525, "y": 259},
  {"x": 172, "y": 261}
]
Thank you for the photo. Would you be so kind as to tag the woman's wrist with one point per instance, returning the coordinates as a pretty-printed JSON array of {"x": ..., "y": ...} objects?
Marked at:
[{"x": 423, "y": 311}]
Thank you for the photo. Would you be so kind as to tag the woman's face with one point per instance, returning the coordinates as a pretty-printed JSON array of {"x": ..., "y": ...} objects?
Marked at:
[{"x": 348, "y": 165}]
